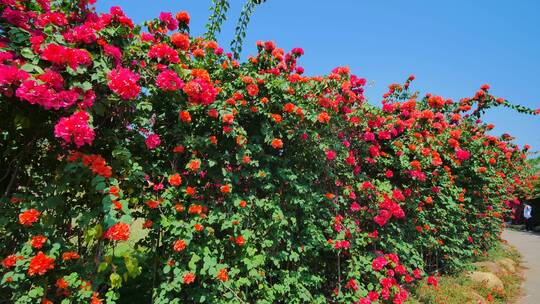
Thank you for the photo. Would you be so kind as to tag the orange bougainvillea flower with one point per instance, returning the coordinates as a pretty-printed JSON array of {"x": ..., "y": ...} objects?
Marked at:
[
  {"x": 198, "y": 227},
  {"x": 222, "y": 275},
  {"x": 276, "y": 117},
  {"x": 183, "y": 17},
  {"x": 323, "y": 117},
  {"x": 191, "y": 191},
  {"x": 181, "y": 41},
  {"x": 70, "y": 255},
  {"x": 227, "y": 118},
  {"x": 195, "y": 209},
  {"x": 277, "y": 143},
  {"x": 40, "y": 264},
  {"x": 175, "y": 180},
  {"x": 185, "y": 116},
  {"x": 179, "y": 208},
  {"x": 179, "y": 245},
  {"x": 29, "y": 217},
  {"x": 242, "y": 204},
  {"x": 225, "y": 189},
  {"x": 188, "y": 278},
  {"x": 194, "y": 165}
]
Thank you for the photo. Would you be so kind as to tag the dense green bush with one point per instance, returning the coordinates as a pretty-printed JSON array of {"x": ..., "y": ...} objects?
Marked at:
[{"x": 144, "y": 167}]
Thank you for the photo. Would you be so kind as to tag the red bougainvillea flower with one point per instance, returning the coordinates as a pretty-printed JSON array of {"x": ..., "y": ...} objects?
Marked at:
[
  {"x": 175, "y": 180},
  {"x": 181, "y": 41},
  {"x": 330, "y": 155},
  {"x": 28, "y": 217},
  {"x": 462, "y": 154},
  {"x": 118, "y": 232},
  {"x": 163, "y": 52},
  {"x": 152, "y": 141},
  {"x": 65, "y": 56},
  {"x": 179, "y": 245},
  {"x": 240, "y": 241},
  {"x": 252, "y": 90},
  {"x": 188, "y": 278},
  {"x": 223, "y": 275},
  {"x": 432, "y": 281},
  {"x": 200, "y": 91},
  {"x": 277, "y": 143},
  {"x": 183, "y": 17},
  {"x": 11, "y": 260},
  {"x": 61, "y": 283},
  {"x": 75, "y": 129},
  {"x": 40, "y": 264},
  {"x": 38, "y": 241},
  {"x": 123, "y": 82},
  {"x": 169, "y": 81}
]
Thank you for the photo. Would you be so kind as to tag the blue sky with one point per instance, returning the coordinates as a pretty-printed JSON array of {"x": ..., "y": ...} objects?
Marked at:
[{"x": 452, "y": 47}]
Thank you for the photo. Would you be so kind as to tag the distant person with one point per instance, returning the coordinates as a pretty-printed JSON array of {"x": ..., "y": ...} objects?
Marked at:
[{"x": 527, "y": 214}]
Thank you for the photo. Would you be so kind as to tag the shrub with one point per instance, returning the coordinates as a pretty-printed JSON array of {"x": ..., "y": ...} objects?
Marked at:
[{"x": 142, "y": 167}]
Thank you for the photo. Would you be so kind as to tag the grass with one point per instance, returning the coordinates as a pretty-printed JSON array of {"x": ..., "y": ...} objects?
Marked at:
[{"x": 459, "y": 289}]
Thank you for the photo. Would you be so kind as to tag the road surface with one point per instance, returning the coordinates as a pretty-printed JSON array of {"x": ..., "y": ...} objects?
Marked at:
[{"x": 529, "y": 245}]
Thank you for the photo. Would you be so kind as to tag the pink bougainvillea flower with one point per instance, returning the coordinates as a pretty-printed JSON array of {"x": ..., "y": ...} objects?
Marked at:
[
  {"x": 123, "y": 82},
  {"x": 170, "y": 22},
  {"x": 75, "y": 129},
  {"x": 462, "y": 154},
  {"x": 169, "y": 81},
  {"x": 152, "y": 141},
  {"x": 379, "y": 263}
]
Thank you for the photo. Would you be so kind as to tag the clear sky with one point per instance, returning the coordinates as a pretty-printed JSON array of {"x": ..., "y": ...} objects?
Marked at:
[{"x": 452, "y": 47}]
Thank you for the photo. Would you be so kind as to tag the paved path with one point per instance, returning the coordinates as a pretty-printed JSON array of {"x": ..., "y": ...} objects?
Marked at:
[{"x": 529, "y": 245}]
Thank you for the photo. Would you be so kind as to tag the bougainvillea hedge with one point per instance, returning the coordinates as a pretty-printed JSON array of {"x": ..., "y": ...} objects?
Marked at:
[{"x": 151, "y": 167}]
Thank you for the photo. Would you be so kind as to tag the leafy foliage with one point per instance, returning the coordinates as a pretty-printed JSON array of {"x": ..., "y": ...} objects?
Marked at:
[{"x": 143, "y": 167}]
